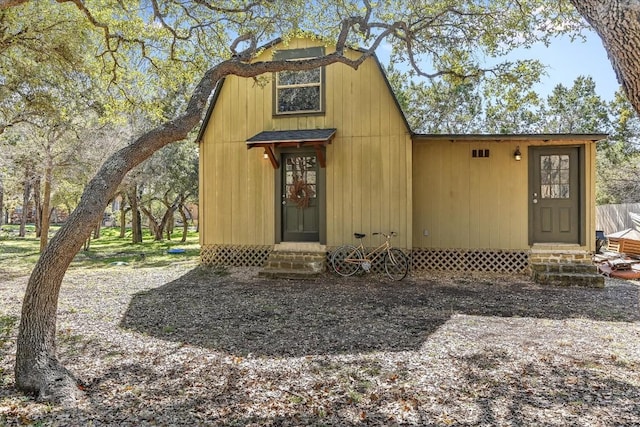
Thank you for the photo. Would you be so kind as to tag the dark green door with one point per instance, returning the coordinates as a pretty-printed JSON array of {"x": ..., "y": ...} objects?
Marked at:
[
  {"x": 554, "y": 197},
  {"x": 300, "y": 201}
]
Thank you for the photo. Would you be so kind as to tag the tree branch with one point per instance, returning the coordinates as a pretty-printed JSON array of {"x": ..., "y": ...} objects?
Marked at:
[{"x": 6, "y": 4}]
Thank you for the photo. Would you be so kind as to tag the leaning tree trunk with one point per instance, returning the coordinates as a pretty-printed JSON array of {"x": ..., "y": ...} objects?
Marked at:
[
  {"x": 617, "y": 23},
  {"x": 37, "y": 368}
]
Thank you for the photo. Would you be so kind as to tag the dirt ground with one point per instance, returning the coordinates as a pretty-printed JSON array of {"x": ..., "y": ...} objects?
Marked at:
[{"x": 189, "y": 346}]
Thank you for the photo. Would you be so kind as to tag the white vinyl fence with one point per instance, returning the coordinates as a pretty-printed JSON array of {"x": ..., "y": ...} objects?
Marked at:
[{"x": 612, "y": 218}]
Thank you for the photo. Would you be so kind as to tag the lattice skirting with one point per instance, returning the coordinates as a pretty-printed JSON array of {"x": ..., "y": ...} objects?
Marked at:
[
  {"x": 470, "y": 260},
  {"x": 421, "y": 259},
  {"x": 234, "y": 255}
]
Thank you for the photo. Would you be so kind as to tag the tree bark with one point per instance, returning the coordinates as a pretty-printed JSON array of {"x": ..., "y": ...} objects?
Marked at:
[
  {"x": 26, "y": 195},
  {"x": 2, "y": 218},
  {"x": 123, "y": 222},
  {"x": 96, "y": 231},
  {"x": 185, "y": 225},
  {"x": 37, "y": 204},
  {"x": 37, "y": 368},
  {"x": 153, "y": 224},
  {"x": 123, "y": 214},
  {"x": 136, "y": 223},
  {"x": 44, "y": 211},
  {"x": 617, "y": 22},
  {"x": 170, "y": 225}
]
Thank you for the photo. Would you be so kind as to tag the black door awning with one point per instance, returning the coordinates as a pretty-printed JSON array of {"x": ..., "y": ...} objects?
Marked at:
[{"x": 270, "y": 140}]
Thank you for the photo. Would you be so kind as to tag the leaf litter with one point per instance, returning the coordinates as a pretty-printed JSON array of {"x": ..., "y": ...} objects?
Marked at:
[{"x": 193, "y": 346}]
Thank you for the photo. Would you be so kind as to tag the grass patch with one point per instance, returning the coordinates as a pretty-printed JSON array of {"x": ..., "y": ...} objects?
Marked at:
[
  {"x": 7, "y": 324},
  {"x": 18, "y": 255}
]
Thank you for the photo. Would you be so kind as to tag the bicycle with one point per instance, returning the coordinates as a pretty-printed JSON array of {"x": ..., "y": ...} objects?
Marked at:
[{"x": 348, "y": 259}]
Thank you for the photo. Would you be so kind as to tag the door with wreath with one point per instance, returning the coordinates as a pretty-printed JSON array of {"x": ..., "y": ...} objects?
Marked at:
[{"x": 300, "y": 202}]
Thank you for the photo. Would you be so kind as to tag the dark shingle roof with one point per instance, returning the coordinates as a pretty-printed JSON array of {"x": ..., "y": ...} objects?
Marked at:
[{"x": 302, "y": 135}]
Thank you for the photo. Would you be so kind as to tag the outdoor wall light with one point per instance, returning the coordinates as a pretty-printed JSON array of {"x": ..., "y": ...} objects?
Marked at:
[
  {"x": 517, "y": 154},
  {"x": 265, "y": 155}
]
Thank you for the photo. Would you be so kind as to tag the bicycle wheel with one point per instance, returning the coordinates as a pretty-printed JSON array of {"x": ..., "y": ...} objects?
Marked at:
[
  {"x": 346, "y": 260},
  {"x": 396, "y": 264}
]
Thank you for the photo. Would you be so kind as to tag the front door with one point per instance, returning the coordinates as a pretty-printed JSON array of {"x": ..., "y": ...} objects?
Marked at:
[
  {"x": 300, "y": 201},
  {"x": 554, "y": 195}
]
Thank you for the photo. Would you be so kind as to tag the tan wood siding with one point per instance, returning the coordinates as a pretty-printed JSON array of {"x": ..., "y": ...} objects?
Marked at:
[
  {"x": 368, "y": 171},
  {"x": 590, "y": 177},
  {"x": 479, "y": 203}
]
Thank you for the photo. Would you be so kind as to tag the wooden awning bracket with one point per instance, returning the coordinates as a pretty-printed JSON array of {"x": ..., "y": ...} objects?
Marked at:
[
  {"x": 320, "y": 156},
  {"x": 268, "y": 150}
]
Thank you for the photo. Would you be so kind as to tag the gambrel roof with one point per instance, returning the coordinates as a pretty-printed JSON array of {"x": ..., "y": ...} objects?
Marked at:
[{"x": 273, "y": 43}]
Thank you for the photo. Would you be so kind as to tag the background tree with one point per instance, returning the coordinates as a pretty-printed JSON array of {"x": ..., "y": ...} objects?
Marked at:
[
  {"x": 619, "y": 158},
  {"x": 170, "y": 179},
  {"x": 577, "y": 109},
  {"x": 442, "y": 106},
  {"x": 512, "y": 106}
]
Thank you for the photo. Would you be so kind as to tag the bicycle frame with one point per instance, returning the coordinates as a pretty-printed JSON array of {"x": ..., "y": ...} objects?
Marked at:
[
  {"x": 366, "y": 261},
  {"x": 346, "y": 260}
]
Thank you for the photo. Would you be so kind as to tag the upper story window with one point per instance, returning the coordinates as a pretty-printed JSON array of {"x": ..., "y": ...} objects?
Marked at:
[{"x": 299, "y": 92}]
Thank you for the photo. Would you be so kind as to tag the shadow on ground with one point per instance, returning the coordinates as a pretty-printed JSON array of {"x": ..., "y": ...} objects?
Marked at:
[{"x": 336, "y": 316}]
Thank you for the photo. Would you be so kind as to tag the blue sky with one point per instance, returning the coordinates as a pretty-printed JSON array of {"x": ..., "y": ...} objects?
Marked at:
[{"x": 567, "y": 60}]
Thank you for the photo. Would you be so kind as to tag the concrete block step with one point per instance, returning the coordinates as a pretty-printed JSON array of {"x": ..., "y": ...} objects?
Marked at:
[
  {"x": 564, "y": 268},
  {"x": 288, "y": 274},
  {"x": 569, "y": 279},
  {"x": 294, "y": 265},
  {"x": 297, "y": 256}
]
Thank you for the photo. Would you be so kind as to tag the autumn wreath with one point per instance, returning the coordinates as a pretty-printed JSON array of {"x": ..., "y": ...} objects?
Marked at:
[{"x": 300, "y": 193}]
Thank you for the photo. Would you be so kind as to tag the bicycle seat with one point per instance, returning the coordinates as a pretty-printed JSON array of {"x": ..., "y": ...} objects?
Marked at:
[{"x": 359, "y": 235}]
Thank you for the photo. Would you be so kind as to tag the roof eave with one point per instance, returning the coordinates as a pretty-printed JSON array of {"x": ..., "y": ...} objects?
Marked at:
[{"x": 545, "y": 137}]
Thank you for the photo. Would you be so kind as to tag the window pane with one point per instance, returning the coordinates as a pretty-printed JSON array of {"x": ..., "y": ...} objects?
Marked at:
[
  {"x": 554, "y": 177},
  {"x": 546, "y": 178},
  {"x": 299, "y": 99},
  {"x": 311, "y": 177},
  {"x": 298, "y": 77}
]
